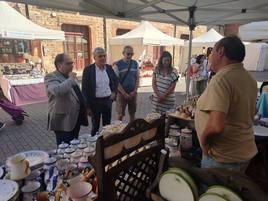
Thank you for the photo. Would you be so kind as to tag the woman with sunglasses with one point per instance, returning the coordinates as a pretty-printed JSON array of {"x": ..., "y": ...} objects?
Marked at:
[{"x": 165, "y": 78}]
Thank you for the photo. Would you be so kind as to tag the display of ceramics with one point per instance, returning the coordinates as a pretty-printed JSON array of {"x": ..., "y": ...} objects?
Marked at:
[
  {"x": 174, "y": 187},
  {"x": 112, "y": 129},
  {"x": 152, "y": 116},
  {"x": 36, "y": 158},
  {"x": 187, "y": 109},
  {"x": 8, "y": 189}
]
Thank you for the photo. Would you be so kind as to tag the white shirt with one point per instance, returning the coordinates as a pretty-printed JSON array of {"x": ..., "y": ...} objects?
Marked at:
[{"x": 102, "y": 83}]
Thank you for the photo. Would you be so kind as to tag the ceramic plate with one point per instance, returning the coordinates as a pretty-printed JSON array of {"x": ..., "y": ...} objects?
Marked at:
[
  {"x": 8, "y": 189},
  {"x": 174, "y": 187},
  {"x": 225, "y": 192},
  {"x": 35, "y": 157}
]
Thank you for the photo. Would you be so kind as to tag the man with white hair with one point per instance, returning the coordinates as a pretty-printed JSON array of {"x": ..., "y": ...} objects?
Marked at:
[{"x": 99, "y": 86}]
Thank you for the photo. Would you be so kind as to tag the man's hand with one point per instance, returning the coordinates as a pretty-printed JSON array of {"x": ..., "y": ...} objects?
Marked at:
[
  {"x": 127, "y": 96},
  {"x": 161, "y": 97},
  {"x": 133, "y": 94},
  {"x": 204, "y": 145},
  {"x": 89, "y": 112},
  {"x": 72, "y": 75},
  {"x": 113, "y": 96}
]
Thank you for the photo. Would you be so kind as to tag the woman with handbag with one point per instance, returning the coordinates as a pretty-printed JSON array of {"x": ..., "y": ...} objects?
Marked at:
[
  {"x": 200, "y": 74},
  {"x": 164, "y": 82}
]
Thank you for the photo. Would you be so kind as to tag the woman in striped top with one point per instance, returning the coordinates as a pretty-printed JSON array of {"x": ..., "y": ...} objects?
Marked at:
[{"x": 165, "y": 78}]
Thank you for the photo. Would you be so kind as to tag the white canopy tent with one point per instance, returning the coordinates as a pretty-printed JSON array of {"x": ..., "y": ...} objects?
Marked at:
[
  {"x": 254, "y": 31},
  {"x": 256, "y": 58},
  {"x": 186, "y": 12},
  {"x": 14, "y": 25},
  {"x": 207, "y": 39},
  {"x": 145, "y": 34}
]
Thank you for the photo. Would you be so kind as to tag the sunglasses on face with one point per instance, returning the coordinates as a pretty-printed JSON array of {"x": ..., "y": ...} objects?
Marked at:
[{"x": 129, "y": 54}]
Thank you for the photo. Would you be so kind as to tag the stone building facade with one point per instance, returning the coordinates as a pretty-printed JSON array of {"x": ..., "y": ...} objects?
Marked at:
[{"x": 57, "y": 20}]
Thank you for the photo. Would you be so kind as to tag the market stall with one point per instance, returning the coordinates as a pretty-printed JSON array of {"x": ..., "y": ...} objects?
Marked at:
[
  {"x": 125, "y": 162},
  {"x": 200, "y": 44},
  {"x": 21, "y": 57},
  {"x": 142, "y": 38}
]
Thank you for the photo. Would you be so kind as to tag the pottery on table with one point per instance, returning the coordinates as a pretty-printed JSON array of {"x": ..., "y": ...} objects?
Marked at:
[
  {"x": 76, "y": 155},
  {"x": 79, "y": 191},
  {"x": 19, "y": 167},
  {"x": 8, "y": 189},
  {"x": 29, "y": 189}
]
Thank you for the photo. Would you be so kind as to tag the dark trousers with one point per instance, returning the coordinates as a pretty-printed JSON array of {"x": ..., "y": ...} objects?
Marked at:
[
  {"x": 67, "y": 137},
  {"x": 102, "y": 107}
]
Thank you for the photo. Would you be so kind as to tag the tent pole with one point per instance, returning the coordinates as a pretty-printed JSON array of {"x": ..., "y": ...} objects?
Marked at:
[
  {"x": 104, "y": 33},
  {"x": 173, "y": 50},
  {"x": 191, "y": 28},
  {"x": 189, "y": 65}
]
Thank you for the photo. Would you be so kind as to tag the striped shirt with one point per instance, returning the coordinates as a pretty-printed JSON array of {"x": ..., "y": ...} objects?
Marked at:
[{"x": 163, "y": 83}]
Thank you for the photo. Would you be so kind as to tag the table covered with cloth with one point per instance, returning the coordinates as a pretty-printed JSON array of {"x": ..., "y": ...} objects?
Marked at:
[{"x": 23, "y": 89}]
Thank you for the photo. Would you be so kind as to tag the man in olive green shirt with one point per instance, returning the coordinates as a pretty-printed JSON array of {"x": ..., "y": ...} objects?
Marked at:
[{"x": 226, "y": 109}]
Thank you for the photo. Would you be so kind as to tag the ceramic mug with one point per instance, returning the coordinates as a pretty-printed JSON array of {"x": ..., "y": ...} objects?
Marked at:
[{"x": 19, "y": 167}]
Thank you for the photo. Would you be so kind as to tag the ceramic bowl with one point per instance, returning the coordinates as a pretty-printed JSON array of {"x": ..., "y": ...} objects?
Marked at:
[{"x": 79, "y": 191}]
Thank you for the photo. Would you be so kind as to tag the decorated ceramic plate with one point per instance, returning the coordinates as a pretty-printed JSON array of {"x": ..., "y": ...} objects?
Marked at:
[
  {"x": 35, "y": 157},
  {"x": 174, "y": 187},
  {"x": 8, "y": 189},
  {"x": 187, "y": 177},
  {"x": 225, "y": 192},
  {"x": 212, "y": 197}
]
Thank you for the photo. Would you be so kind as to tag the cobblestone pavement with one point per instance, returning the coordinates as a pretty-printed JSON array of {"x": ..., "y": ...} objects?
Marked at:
[{"x": 33, "y": 135}]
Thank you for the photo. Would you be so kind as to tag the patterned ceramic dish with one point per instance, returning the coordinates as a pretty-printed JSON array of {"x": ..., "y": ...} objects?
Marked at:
[
  {"x": 36, "y": 158},
  {"x": 8, "y": 189}
]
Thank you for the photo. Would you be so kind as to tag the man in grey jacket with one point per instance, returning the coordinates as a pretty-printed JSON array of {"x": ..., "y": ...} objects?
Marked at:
[{"x": 66, "y": 106}]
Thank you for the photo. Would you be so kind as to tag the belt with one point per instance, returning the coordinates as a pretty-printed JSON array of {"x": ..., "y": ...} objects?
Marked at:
[{"x": 103, "y": 98}]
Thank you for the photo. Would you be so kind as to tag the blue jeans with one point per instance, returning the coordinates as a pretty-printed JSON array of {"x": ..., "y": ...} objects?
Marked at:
[{"x": 208, "y": 162}]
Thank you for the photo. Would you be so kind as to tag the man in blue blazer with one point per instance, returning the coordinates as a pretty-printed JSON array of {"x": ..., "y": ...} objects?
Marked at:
[{"x": 99, "y": 86}]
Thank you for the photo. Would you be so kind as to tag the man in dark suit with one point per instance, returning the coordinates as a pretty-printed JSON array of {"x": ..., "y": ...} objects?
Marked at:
[
  {"x": 66, "y": 104},
  {"x": 99, "y": 86}
]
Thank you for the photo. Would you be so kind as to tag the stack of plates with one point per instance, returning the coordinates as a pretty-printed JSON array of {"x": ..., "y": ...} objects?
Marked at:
[
  {"x": 176, "y": 185},
  {"x": 9, "y": 190}
]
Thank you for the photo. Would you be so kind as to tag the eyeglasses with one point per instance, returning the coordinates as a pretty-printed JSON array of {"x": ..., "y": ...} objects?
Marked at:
[
  {"x": 102, "y": 55},
  {"x": 129, "y": 54},
  {"x": 69, "y": 63}
]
